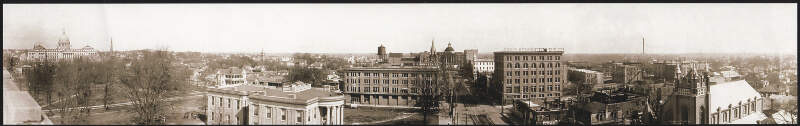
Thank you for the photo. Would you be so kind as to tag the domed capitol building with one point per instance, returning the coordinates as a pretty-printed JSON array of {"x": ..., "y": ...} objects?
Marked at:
[{"x": 63, "y": 51}]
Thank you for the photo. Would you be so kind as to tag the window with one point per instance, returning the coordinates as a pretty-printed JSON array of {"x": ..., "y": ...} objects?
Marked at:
[
  {"x": 299, "y": 116},
  {"x": 516, "y": 57},
  {"x": 508, "y": 73},
  {"x": 269, "y": 112},
  {"x": 283, "y": 114},
  {"x": 213, "y": 100},
  {"x": 558, "y": 57},
  {"x": 516, "y": 73},
  {"x": 558, "y": 88},
  {"x": 549, "y": 57},
  {"x": 524, "y": 58},
  {"x": 517, "y": 81},
  {"x": 549, "y": 65},
  {"x": 508, "y": 65},
  {"x": 516, "y": 65},
  {"x": 255, "y": 110},
  {"x": 229, "y": 103},
  {"x": 508, "y": 89},
  {"x": 541, "y": 58},
  {"x": 525, "y": 73},
  {"x": 374, "y": 89},
  {"x": 525, "y": 65},
  {"x": 533, "y": 89},
  {"x": 549, "y": 87}
]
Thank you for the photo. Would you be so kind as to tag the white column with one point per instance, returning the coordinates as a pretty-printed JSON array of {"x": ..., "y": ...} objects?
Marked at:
[
  {"x": 328, "y": 115},
  {"x": 340, "y": 119}
]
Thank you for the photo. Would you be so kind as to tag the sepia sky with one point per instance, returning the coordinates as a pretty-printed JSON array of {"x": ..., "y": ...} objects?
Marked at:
[{"x": 361, "y": 28}]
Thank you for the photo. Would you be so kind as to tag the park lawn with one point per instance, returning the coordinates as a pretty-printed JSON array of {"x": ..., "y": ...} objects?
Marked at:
[
  {"x": 117, "y": 116},
  {"x": 369, "y": 114},
  {"x": 416, "y": 119}
]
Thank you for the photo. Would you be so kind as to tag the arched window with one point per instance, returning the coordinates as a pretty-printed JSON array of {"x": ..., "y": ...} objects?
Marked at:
[
  {"x": 516, "y": 65},
  {"x": 541, "y": 65},
  {"x": 550, "y": 65},
  {"x": 533, "y": 65},
  {"x": 509, "y": 65},
  {"x": 525, "y": 65}
]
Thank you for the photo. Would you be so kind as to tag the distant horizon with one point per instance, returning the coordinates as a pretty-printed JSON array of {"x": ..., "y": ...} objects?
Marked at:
[{"x": 670, "y": 28}]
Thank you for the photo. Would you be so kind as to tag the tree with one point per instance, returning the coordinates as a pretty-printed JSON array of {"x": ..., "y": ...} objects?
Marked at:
[
  {"x": 428, "y": 94},
  {"x": 41, "y": 79},
  {"x": 304, "y": 74},
  {"x": 146, "y": 84},
  {"x": 789, "y": 108}
]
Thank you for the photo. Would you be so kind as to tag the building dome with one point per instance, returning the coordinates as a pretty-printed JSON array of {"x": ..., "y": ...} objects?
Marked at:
[
  {"x": 449, "y": 48},
  {"x": 63, "y": 38}
]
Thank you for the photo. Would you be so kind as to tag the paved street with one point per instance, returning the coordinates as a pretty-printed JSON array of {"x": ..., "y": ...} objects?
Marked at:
[{"x": 474, "y": 115}]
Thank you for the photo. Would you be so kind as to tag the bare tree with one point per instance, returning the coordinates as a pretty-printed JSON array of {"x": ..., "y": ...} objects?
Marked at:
[
  {"x": 428, "y": 94},
  {"x": 147, "y": 82},
  {"x": 789, "y": 114}
]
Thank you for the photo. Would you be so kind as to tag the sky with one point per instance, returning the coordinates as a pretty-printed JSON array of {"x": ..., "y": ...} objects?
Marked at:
[{"x": 404, "y": 28}]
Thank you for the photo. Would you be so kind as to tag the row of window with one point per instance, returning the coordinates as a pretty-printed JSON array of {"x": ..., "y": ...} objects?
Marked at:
[
  {"x": 525, "y": 58},
  {"x": 535, "y": 72},
  {"x": 380, "y": 90},
  {"x": 376, "y": 81},
  {"x": 283, "y": 112},
  {"x": 733, "y": 113},
  {"x": 484, "y": 63},
  {"x": 535, "y": 95},
  {"x": 526, "y": 89},
  {"x": 533, "y": 65},
  {"x": 233, "y": 76},
  {"x": 220, "y": 101},
  {"x": 366, "y": 100},
  {"x": 357, "y": 74},
  {"x": 533, "y": 80}
]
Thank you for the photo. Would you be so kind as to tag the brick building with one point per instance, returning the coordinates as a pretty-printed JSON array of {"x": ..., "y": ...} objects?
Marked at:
[{"x": 530, "y": 73}]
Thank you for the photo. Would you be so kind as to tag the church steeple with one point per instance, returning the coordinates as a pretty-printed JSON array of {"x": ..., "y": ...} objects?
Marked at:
[{"x": 433, "y": 49}]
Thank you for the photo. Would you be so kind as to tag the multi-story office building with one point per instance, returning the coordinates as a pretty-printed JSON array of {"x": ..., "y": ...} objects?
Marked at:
[
  {"x": 586, "y": 76},
  {"x": 626, "y": 74},
  {"x": 64, "y": 51},
  {"x": 534, "y": 73},
  {"x": 386, "y": 86},
  {"x": 294, "y": 104},
  {"x": 232, "y": 76}
]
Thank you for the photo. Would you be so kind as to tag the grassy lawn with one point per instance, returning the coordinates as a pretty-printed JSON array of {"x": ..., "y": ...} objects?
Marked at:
[
  {"x": 120, "y": 115},
  {"x": 416, "y": 119},
  {"x": 184, "y": 106},
  {"x": 369, "y": 114}
]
